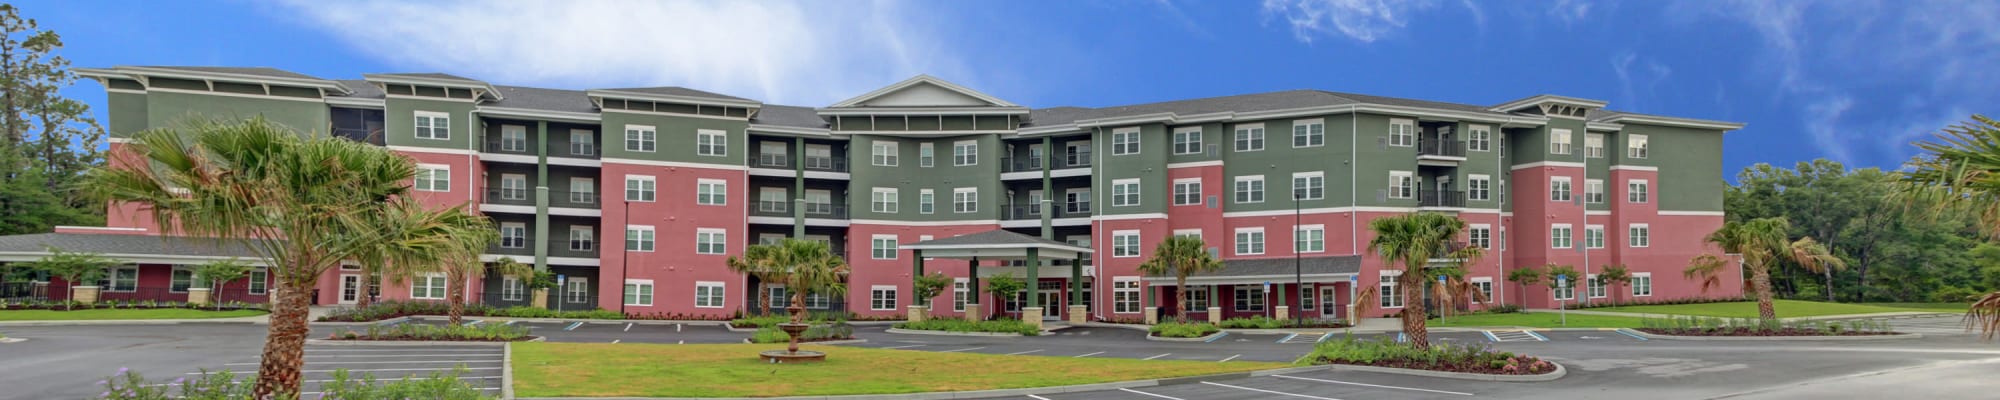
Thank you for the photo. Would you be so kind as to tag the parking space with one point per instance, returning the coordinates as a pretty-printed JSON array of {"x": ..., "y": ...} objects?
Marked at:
[
  {"x": 1608, "y": 336},
  {"x": 616, "y": 331},
  {"x": 1307, "y": 385},
  {"x": 1941, "y": 325},
  {"x": 1094, "y": 342},
  {"x": 479, "y": 366}
]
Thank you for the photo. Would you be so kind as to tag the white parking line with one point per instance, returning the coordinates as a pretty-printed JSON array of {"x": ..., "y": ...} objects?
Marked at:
[
  {"x": 1024, "y": 352},
  {"x": 572, "y": 326},
  {"x": 615, "y": 341},
  {"x": 1269, "y": 391},
  {"x": 1288, "y": 338},
  {"x": 1150, "y": 394},
  {"x": 1230, "y": 358},
  {"x": 1088, "y": 355},
  {"x": 628, "y": 327},
  {"x": 1037, "y": 397},
  {"x": 1370, "y": 385},
  {"x": 1158, "y": 356},
  {"x": 474, "y": 322},
  {"x": 904, "y": 347},
  {"x": 964, "y": 349}
]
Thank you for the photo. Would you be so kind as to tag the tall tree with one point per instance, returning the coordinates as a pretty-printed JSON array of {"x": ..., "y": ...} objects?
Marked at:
[
  {"x": 767, "y": 263},
  {"x": 1961, "y": 172},
  {"x": 1763, "y": 243},
  {"x": 303, "y": 202},
  {"x": 46, "y": 140},
  {"x": 1180, "y": 257},
  {"x": 1411, "y": 241}
]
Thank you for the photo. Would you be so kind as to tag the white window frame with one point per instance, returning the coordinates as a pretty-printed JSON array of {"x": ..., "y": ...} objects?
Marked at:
[
  {"x": 1249, "y": 189},
  {"x": 576, "y": 290},
  {"x": 1565, "y": 233},
  {"x": 1559, "y": 141},
  {"x": 641, "y": 188},
  {"x": 926, "y": 201},
  {"x": 582, "y": 190},
  {"x": 1480, "y": 235},
  {"x": 1593, "y": 287},
  {"x": 513, "y": 138},
  {"x": 1249, "y": 137},
  {"x": 1188, "y": 233},
  {"x": 1479, "y": 137},
  {"x": 1593, "y": 236},
  {"x": 639, "y": 292},
  {"x": 437, "y": 130},
  {"x": 582, "y": 238},
  {"x": 961, "y": 294},
  {"x": 1124, "y": 141},
  {"x": 431, "y": 285},
  {"x": 512, "y": 289},
  {"x": 1484, "y": 284},
  {"x": 1187, "y": 192},
  {"x": 1478, "y": 187},
  {"x": 1125, "y": 295},
  {"x": 1593, "y": 145},
  {"x": 884, "y": 200},
  {"x": 1635, "y": 146},
  {"x": 1389, "y": 294},
  {"x": 516, "y": 231},
  {"x": 1638, "y": 191},
  {"x": 926, "y": 155},
  {"x": 965, "y": 153},
  {"x": 428, "y": 180},
  {"x": 710, "y": 294},
  {"x": 1593, "y": 191},
  {"x": 513, "y": 186},
  {"x": 1309, "y": 239},
  {"x": 1125, "y": 243},
  {"x": 582, "y": 142},
  {"x": 260, "y": 281},
  {"x": 1642, "y": 280},
  {"x": 640, "y": 238},
  {"x": 883, "y": 153},
  {"x": 1187, "y": 141},
  {"x": 711, "y": 142},
  {"x": 876, "y": 298},
  {"x": 1313, "y": 131},
  {"x": 882, "y": 247},
  {"x": 711, "y": 192},
  {"x": 1402, "y": 132},
  {"x": 641, "y": 138},
  {"x": 1249, "y": 241},
  {"x": 1125, "y": 192},
  {"x": 1402, "y": 185},
  {"x": 711, "y": 241},
  {"x": 1560, "y": 189},
  {"x": 1639, "y": 235},
  {"x": 1248, "y": 298},
  {"x": 965, "y": 200},
  {"x": 1312, "y": 182},
  {"x": 173, "y": 279}
]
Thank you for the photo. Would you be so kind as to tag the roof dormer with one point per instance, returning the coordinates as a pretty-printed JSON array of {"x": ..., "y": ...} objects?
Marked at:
[{"x": 1552, "y": 106}]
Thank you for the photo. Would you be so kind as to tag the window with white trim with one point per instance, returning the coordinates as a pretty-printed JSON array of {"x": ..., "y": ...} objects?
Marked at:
[
  {"x": 961, "y": 293},
  {"x": 1639, "y": 235},
  {"x": 433, "y": 125},
  {"x": 1250, "y": 189},
  {"x": 1480, "y": 235},
  {"x": 582, "y": 238},
  {"x": 709, "y": 294},
  {"x": 1194, "y": 233},
  {"x": 1125, "y": 141},
  {"x": 965, "y": 200},
  {"x": 1187, "y": 141},
  {"x": 1559, "y": 141},
  {"x": 882, "y": 247},
  {"x": 430, "y": 286},
  {"x": 1635, "y": 146},
  {"x": 260, "y": 281},
  {"x": 883, "y": 200},
  {"x": 1125, "y": 294},
  {"x": 1250, "y": 137},
  {"x": 1248, "y": 298},
  {"x": 1635, "y": 191},
  {"x": 709, "y": 142},
  {"x": 1478, "y": 137},
  {"x": 926, "y": 201},
  {"x": 1249, "y": 241},
  {"x": 639, "y": 188},
  {"x": 710, "y": 241},
  {"x": 577, "y": 290},
  {"x": 883, "y": 153},
  {"x": 1559, "y": 236},
  {"x": 638, "y": 292},
  {"x": 1593, "y": 236},
  {"x": 1485, "y": 286},
  {"x": 1593, "y": 286},
  {"x": 1309, "y": 185},
  {"x": 1187, "y": 192},
  {"x": 1402, "y": 132},
  {"x": 639, "y": 238},
  {"x": 1593, "y": 145},
  {"x": 512, "y": 289},
  {"x": 1125, "y": 243},
  {"x": 180, "y": 280},
  {"x": 1198, "y": 300},
  {"x": 433, "y": 178},
  {"x": 1309, "y": 239},
  {"x": 926, "y": 155},
  {"x": 773, "y": 199},
  {"x": 513, "y": 138},
  {"x": 1389, "y": 294},
  {"x": 1593, "y": 191},
  {"x": 1308, "y": 133},
  {"x": 1125, "y": 192},
  {"x": 120, "y": 279},
  {"x": 582, "y": 142},
  {"x": 882, "y": 297},
  {"x": 1565, "y": 292},
  {"x": 1559, "y": 188},
  {"x": 1306, "y": 298},
  {"x": 513, "y": 235},
  {"x": 640, "y": 138},
  {"x": 1402, "y": 185},
  {"x": 583, "y": 190},
  {"x": 1642, "y": 284},
  {"x": 1478, "y": 187},
  {"x": 965, "y": 152},
  {"x": 711, "y": 192},
  {"x": 513, "y": 187}
]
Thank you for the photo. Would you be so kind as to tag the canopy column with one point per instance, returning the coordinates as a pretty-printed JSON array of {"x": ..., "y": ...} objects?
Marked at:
[
  {"x": 972, "y": 311},
  {"x": 916, "y": 309},
  {"x": 1032, "y": 313}
]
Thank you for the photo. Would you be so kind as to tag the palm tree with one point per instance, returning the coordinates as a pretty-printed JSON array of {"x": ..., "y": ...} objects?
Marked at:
[
  {"x": 1706, "y": 270},
  {"x": 1413, "y": 240},
  {"x": 1960, "y": 176},
  {"x": 763, "y": 262},
  {"x": 1614, "y": 275},
  {"x": 1180, "y": 256},
  {"x": 302, "y": 202},
  {"x": 810, "y": 267},
  {"x": 1762, "y": 243}
]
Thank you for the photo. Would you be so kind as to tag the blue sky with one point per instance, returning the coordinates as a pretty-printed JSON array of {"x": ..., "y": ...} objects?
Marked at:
[{"x": 1854, "y": 81}]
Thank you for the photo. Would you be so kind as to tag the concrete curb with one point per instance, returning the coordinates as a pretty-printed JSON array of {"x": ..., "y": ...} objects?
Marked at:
[
  {"x": 1896, "y": 336},
  {"x": 1135, "y": 327},
  {"x": 1559, "y": 373},
  {"x": 733, "y": 328},
  {"x": 414, "y": 343},
  {"x": 974, "y": 394},
  {"x": 1209, "y": 337},
  {"x": 944, "y": 333},
  {"x": 507, "y": 371}
]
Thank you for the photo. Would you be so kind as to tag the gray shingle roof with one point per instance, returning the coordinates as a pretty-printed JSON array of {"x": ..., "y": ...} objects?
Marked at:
[
  {"x": 433, "y": 75},
  {"x": 792, "y": 116},
  {"x": 125, "y": 244},
  {"x": 362, "y": 89},
  {"x": 992, "y": 237},
  {"x": 1245, "y": 102},
  {"x": 258, "y": 71},
  {"x": 681, "y": 91},
  {"x": 544, "y": 99},
  {"x": 1284, "y": 266}
]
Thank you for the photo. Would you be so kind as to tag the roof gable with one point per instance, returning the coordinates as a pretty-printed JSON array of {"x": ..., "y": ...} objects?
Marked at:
[{"x": 924, "y": 91}]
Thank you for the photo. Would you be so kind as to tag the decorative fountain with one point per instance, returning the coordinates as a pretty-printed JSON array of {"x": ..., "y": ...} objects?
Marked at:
[{"x": 792, "y": 354}]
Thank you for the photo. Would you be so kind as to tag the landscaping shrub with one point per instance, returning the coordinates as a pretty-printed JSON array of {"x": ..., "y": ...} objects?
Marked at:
[
  {"x": 474, "y": 333},
  {"x": 838, "y": 330},
  {"x": 65, "y": 305},
  {"x": 1262, "y": 322},
  {"x": 1184, "y": 330},
  {"x": 1656, "y": 302},
  {"x": 775, "y": 319},
  {"x": 1714, "y": 326},
  {"x": 1504, "y": 309},
  {"x": 960, "y": 325},
  {"x": 128, "y": 385},
  {"x": 1438, "y": 357},
  {"x": 394, "y": 309}
]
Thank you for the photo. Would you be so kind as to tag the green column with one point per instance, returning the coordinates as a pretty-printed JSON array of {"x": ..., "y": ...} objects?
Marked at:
[
  {"x": 799, "y": 189},
  {"x": 542, "y": 196},
  {"x": 916, "y": 270},
  {"x": 1048, "y": 191},
  {"x": 1076, "y": 281},
  {"x": 1149, "y": 293},
  {"x": 1280, "y": 288},
  {"x": 972, "y": 283},
  {"x": 1034, "y": 277}
]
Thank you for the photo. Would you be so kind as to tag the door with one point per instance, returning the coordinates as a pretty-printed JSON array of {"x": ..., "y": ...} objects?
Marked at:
[
  {"x": 1329, "y": 306},
  {"x": 1052, "y": 305},
  {"x": 350, "y": 289}
]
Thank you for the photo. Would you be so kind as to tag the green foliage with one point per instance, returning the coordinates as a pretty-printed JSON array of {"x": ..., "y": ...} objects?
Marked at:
[
  {"x": 47, "y": 141},
  {"x": 1184, "y": 329},
  {"x": 814, "y": 317},
  {"x": 1003, "y": 325},
  {"x": 225, "y": 385},
  {"x": 75, "y": 268},
  {"x": 1718, "y": 326},
  {"x": 929, "y": 286},
  {"x": 217, "y": 273},
  {"x": 1256, "y": 322},
  {"x": 481, "y": 332},
  {"x": 1955, "y": 294},
  {"x": 1441, "y": 356},
  {"x": 838, "y": 330},
  {"x": 1005, "y": 286},
  {"x": 393, "y": 309},
  {"x": 1179, "y": 257}
]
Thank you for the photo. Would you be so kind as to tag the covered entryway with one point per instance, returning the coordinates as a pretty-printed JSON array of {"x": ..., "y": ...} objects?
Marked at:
[
  {"x": 1284, "y": 288},
  {"x": 1010, "y": 246}
]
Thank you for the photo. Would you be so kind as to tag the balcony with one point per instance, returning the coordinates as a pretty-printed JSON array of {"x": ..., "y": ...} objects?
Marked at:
[
  {"x": 509, "y": 147},
  {"x": 512, "y": 197},
  {"x": 574, "y": 200},
  {"x": 1444, "y": 258},
  {"x": 1077, "y": 160},
  {"x": 1440, "y": 148},
  {"x": 563, "y": 247},
  {"x": 826, "y": 163},
  {"x": 766, "y": 160},
  {"x": 1072, "y": 210},
  {"x": 1441, "y": 198},
  {"x": 813, "y": 210}
]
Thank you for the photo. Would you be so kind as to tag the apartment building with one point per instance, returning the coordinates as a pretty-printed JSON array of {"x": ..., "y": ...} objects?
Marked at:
[{"x": 638, "y": 195}]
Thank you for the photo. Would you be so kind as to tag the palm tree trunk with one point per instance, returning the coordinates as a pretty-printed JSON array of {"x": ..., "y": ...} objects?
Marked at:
[
  {"x": 285, "y": 346},
  {"x": 455, "y": 296},
  {"x": 1829, "y": 284},
  {"x": 1180, "y": 298},
  {"x": 1413, "y": 309},
  {"x": 362, "y": 299},
  {"x": 1760, "y": 282}
]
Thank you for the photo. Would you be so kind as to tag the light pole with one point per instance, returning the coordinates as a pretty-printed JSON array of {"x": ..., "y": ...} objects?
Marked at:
[
  {"x": 625, "y": 261},
  {"x": 1298, "y": 258}
]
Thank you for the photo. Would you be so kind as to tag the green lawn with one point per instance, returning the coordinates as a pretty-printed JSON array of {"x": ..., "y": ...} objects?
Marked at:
[
  {"x": 1537, "y": 320},
  {"x": 544, "y": 369},
  {"x": 122, "y": 313},
  {"x": 1786, "y": 308}
]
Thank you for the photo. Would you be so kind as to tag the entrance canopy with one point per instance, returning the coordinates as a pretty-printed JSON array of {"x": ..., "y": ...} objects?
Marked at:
[
  {"x": 135, "y": 249},
  {"x": 999, "y": 244},
  {"x": 1282, "y": 270}
]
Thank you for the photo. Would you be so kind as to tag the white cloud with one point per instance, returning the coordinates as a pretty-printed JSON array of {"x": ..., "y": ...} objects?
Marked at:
[
  {"x": 1638, "y": 79},
  {"x": 1361, "y": 20},
  {"x": 1570, "y": 11},
  {"x": 781, "y": 52},
  {"x": 1823, "y": 122}
]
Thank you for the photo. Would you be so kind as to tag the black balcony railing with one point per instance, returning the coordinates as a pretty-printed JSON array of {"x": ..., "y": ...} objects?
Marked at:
[
  {"x": 833, "y": 164},
  {"x": 509, "y": 147},
  {"x": 1440, "y": 198},
  {"x": 575, "y": 199},
  {"x": 1439, "y": 147},
  {"x": 578, "y": 247},
  {"x": 1056, "y": 211},
  {"x": 518, "y": 197},
  {"x": 772, "y": 160},
  {"x": 1074, "y": 160},
  {"x": 786, "y": 209}
]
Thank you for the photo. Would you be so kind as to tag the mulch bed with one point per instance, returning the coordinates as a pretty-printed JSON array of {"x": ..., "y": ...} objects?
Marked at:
[
  {"x": 1756, "y": 332},
  {"x": 1466, "y": 367}
]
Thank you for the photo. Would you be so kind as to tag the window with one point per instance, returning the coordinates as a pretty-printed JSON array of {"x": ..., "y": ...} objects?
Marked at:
[
  {"x": 1485, "y": 286},
  {"x": 1309, "y": 185},
  {"x": 582, "y": 142},
  {"x": 1402, "y": 132},
  {"x": 1125, "y": 141},
  {"x": 1306, "y": 297},
  {"x": 260, "y": 281},
  {"x": 884, "y": 153},
  {"x": 1125, "y": 192},
  {"x": 708, "y": 294},
  {"x": 1309, "y": 239},
  {"x": 1250, "y": 137},
  {"x": 513, "y": 138},
  {"x": 965, "y": 152},
  {"x": 512, "y": 289},
  {"x": 710, "y": 240},
  {"x": 1635, "y": 191},
  {"x": 1250, "y": 189},
  {"x": 433, "y": 178},
  {"x": 960, "y": 294},
  {"x": 1559, "y": 235},
  {"x": 1479, "y": 138},
  {"x": 882, "y": 297},
  {"x": 772, "y": 199},
  {"x": 1188, "y": 192},
  {"x": 1593, "y": 145},
  {"x": 582, "y": 238},
  {"x": 638, "y": 238},
  {"x": 1188, "y": 233},
  {"x": 926, "y": 201},
  {"x": 1308, "y": 133},
  {"x": 883, "y": 200},
  {"x": 926, "y": 155},
  {"x": 1402, "y": 185},
  {"x": 772, "y": 154},
  {"x": 639, "y": 188},
  {"x": 1249, "y": 298},
  {"x": 513, "y": 235},
  {"x": 1479, "y": 187},
  {"x": 812, "y": 300},
  {"x": 513, "y": 187},
  {"x": 711, "y": 192},
  {"x": 1635, "y": 146},
  {"x": 1198, "y": 300},
  {"x": 882, "y": 247},
  {"x": 965, "y": 200},
  {"x": 1593, "y": 191},
  {"x": 1187, "y": 141},
  {"x": 638, "y": 292},
  {"x": 583, "y": 190},
  {"x": 1559, "y": 189},
  {"x": 1480, "y": 236},
  {"x": 180, "y": 280},
  {"x": 1594, "y": 287},
  {"x": 1125, "y": 294},
  {"x": 711, "y": 142},
  {"x": 1593, "y": 236},
  {"x": 1559, "y": 141},
  {"x": 1390, "y": 294},
  {"x": 819, "y": 201},
  {"x": 433, "y": 125},
  {"x": 1125, "y": 243},
  {"x": 120, "y": 279},
  {"x": 1078, "y": 200},
  {"x": 1639, "y": 235},
  {"x": 1642, "y": 284},
  {"x": 819, "y": 156},
  {"x": 1249, "y": 241},
  {"x": 427, "y": 286},
  {"x": 639, "y": 138},
  {"x": 576, "y": 290}
]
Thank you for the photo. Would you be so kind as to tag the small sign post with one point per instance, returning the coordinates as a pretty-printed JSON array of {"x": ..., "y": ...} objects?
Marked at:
[
  {"x": 1562, "y": 312},
  {"x": 1267, "y": 300},
  {"x": 559, "y": 291}
]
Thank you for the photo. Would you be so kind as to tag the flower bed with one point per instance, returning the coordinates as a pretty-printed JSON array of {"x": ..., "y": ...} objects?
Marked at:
[
  {"x": 1443, "y": 357},
  {"x": 839, "y": 330},
  {"x": 397, "y": 309},
  {"x": 127, "y": 304},
  {"x": 1260, "y": 322},
  {"x": 1711, "y": 326},
  {"x": 419, "y": 332},
  {"x": 128, "y": 385},
  {"x": 1183, "y": 330},
  {"x": 960, "y": 325}
]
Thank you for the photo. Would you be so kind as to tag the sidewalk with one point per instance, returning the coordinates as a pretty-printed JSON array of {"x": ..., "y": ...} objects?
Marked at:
[
  {"x": 1898, "y": 314},
  {"x": 312, "y": 314}
]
